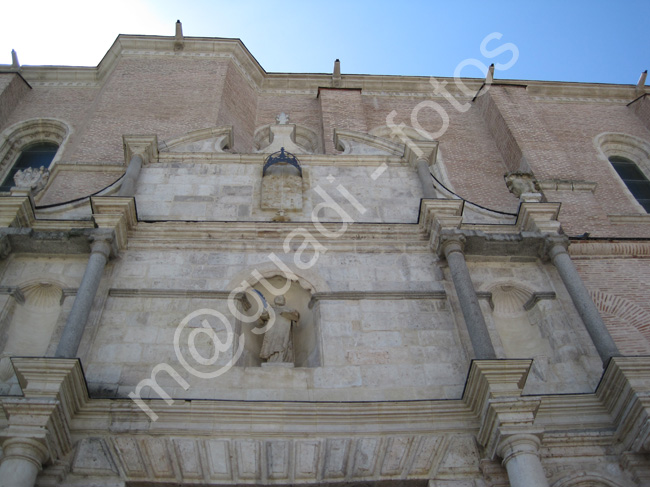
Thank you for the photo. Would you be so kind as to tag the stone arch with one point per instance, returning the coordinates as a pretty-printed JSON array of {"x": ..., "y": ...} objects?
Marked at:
[
  {"x": 611, "y": 144},
  {"x": 21, "y": 135},
  {"x": 588, "y": 479},
  {"x": 307, "y": 278},
  {"x": 628, "y": 149}
]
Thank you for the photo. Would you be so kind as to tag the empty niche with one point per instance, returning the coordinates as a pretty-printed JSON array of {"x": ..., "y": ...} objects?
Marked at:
[
  {"x": 291, "y": 339},
  {"x": 519, "y": 334},
  {"x": 29, "y": 325}
]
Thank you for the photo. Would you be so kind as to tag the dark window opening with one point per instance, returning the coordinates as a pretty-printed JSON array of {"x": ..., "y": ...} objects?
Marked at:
[
  {"x": 34, "y": 156},
  {"x": 634, "y": 179}
]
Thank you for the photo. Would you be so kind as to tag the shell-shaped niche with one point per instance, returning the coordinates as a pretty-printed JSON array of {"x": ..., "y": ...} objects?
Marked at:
[
  {"x": 509, "y": 300},
  {"x": 32, "y": 324}
]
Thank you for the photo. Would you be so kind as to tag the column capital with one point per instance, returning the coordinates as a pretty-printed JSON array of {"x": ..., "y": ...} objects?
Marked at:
[
  {"x": 28, "y": 449},
  {"x": 511, "y": 446},
  {"x": 421, "y": 150},
  {"x": 451, "y": 242},
  {"x": 555, "y": 245},
  {"x": 102, "y": 243},
  {"x": 145, "y": 146}
]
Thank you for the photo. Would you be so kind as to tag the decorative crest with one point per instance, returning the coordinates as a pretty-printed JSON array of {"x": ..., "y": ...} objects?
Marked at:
[{"x": 282, "y": 157}]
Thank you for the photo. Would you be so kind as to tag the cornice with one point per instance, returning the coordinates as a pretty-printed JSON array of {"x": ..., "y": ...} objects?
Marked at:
[
  {"x": 308, "y": 83},
  {"x": 169, "y": 157},
  {"x": 271, "y": 236}
]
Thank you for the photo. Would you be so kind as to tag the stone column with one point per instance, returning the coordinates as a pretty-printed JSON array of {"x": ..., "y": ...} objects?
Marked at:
[
  {"x": 581, "y": 299},
  {"x": 521, "y": 459},
  {"x": 131, "y": 176},
  {"x": 422, "y": 166},
  {"x": 23, "y": 459},
  {"x": 74, "y": 327},
  {"x": 452, "y": 247}
]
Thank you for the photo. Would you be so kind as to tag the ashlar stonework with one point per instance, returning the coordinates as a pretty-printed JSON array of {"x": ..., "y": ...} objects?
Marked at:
[{"x": 468, "y": 309}]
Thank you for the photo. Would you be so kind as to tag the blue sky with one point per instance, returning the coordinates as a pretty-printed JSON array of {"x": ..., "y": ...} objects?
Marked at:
[{"x": 590, "y": 41}]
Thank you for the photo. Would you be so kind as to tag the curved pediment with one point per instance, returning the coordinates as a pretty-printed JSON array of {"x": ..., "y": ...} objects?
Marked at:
[
  {"x": 354, "y": 143},
  {"x": 215, "y": 139}
]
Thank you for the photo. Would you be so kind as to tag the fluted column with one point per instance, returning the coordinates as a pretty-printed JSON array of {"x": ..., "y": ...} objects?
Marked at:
[
  {"x": 131, "y": 176},
  {"x": 453, "y": 247},
  {"x": 581, "y": 299},
  {"x": 83, "y": 301},
  {"x": 23, "y": 459},
  {"x": 422, "y": 166},
  {"x": 520, "y": 454}
]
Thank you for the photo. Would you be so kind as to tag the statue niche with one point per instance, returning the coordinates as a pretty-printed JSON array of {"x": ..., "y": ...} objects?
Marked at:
[{"x": 286, "y": 332}]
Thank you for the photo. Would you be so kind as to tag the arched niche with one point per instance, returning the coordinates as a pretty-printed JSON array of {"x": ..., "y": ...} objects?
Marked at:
[
  {"x": 588, "y": 479},
  {"x": 520, "y": 336},
  {"x": 29, "y": 327},
  {"x": 297, "y": 291}
]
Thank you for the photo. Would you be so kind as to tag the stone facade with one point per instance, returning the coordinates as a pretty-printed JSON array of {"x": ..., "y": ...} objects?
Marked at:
[{"x": 453, "y": 330}]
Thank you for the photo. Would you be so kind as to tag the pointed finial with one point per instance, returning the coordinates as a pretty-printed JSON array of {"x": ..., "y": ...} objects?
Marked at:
[
  {"x": 490, "y": 75},
  {"x": 336, "y": 75},
  {"x": 640, "y": 86},
  {"x": 179, "y": 40},
  {"x": 14, "y": 59}
]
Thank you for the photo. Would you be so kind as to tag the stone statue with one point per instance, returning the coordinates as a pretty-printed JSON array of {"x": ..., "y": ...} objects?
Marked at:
[
  {"x": 278, "y": 344},
  {"x": 521, "y": 183},
  {"x": 31, "y": 178}
]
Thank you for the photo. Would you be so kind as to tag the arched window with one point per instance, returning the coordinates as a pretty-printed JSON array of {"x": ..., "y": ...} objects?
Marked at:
[
  {"x": 634, "y": 179},
  {"x": 31, "y": 144},
  {"x": 35, "y": 156}
]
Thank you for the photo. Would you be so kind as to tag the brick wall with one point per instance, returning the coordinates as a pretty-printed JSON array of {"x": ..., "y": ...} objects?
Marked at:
[
  {"x": 237, "y": 108},
  {"x": 340, "y": 109},
  {"x": 641, "y": 108},
  {"x": 619, "y": 287},
  {"x": 12, "y": 89}
]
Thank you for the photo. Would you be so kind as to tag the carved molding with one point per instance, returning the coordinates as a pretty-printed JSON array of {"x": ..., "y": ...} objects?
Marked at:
[{"x": 117, "y": 214}]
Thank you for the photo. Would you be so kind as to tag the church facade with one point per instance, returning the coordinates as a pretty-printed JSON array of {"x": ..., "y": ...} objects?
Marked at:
[{"x": 212, "y": 275}]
